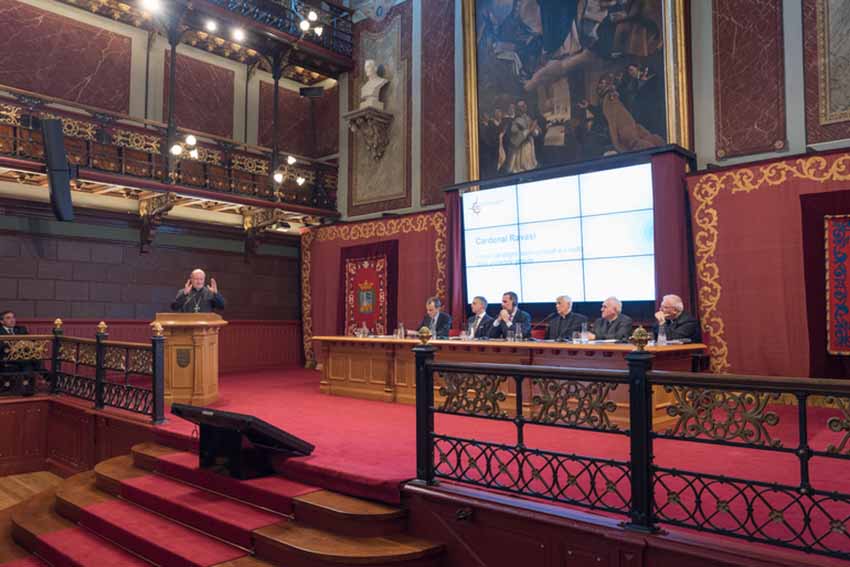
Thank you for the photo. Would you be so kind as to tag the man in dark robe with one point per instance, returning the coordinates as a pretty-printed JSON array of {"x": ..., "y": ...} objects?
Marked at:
[
  {"x": 677, "y": 324},
  {"x": 613, "y": 324},
  {"x": 197, "y": 298},
  {"x": 562, "y": 327}
]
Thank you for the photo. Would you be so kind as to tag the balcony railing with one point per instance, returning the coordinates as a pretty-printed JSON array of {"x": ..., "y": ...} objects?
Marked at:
[
  {"x": 122, "y": 375},
  {"x": 774, "y": 471},
  {"x": 133, "y": 150}
]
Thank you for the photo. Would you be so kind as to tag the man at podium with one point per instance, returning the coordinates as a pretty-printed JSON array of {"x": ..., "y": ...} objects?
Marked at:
[{"x": 197, "y": 298}]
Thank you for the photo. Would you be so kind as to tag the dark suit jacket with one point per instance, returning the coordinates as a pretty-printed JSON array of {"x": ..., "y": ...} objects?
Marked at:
[
  {"x": 18, "y": 330},
  {"x": 682, "y": 327},
  {"x": 483, "y": 327},
  {"x": 444, "y": 323},
  {"x": 564, "y": 327},
  {"x": 620, "y": 328},
  {"x": 521, "y": 319}
]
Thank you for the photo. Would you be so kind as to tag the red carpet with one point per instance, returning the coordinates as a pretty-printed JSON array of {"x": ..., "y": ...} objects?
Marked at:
[
  {"x": 154, "y": 537},
  {"x": 217, "y": 515},
  {"x": 24, "y": 562},
  {"x": 272, "y": 492},
  {"x": 79, "y": 546}
]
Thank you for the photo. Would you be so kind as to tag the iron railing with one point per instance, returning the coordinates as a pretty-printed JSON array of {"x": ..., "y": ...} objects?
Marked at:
[
  {"x": 764, "y": 431},
  {"x": 123, "y": 375},
  {"x": 113, "y": 146}
]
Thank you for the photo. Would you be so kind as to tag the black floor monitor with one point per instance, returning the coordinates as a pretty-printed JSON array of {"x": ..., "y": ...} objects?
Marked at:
[{"x": 239, "y": 445}]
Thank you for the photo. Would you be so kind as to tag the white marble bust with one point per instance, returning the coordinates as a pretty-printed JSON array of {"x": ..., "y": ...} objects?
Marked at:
[{"x": 370, "y": 92}]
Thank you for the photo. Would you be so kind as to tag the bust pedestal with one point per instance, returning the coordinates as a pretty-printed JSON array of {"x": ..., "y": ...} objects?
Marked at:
[
  {"x": 373, "y": 126},
  {"x": 191, "y": 357}
]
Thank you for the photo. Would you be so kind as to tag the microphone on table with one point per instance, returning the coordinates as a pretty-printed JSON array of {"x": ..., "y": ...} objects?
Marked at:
[{"x": 539, "y": 323}]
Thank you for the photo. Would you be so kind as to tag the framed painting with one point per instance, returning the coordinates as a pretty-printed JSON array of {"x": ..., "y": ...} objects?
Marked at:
[{"x": 551, "y": 82}]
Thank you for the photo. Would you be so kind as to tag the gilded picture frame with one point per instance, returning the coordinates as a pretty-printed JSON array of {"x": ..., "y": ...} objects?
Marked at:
[{"x": 676, "y": 86}]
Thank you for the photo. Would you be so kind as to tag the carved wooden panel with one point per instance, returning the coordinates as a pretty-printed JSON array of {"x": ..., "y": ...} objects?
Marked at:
[
  {"x": 117, "y": 436},
  {"x": 70, "y": 439},
  {"x": 22, "y": 443}
]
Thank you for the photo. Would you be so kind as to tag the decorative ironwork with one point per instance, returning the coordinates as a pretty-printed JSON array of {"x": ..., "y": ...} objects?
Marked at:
[
  {"x": 577, "y": 404},
  {"x": 839, "y": 424},
  {"x": 75, "y": 128},
  {"x": 722, "y": 416},
  {"x": 115, "y": 358},
  {"x": 206, "y": 155},
  {"x": 473, "y": 394},
  {"x": 87, "y": 355},
  {"x": 582, "y": 481},
  {"x": 136, "y": 141},
  {"x": 130, "y": 398},
  {"x": 255, "y": 166},
  {"x": 68, "y": 351},
  {"x": 77, "y": 386},
  {"x": 140, "y": 361},
  {"x": 751, "y": 510},
  {"x": 10, "y": 114},
  {"x": 23, "y": 350}
]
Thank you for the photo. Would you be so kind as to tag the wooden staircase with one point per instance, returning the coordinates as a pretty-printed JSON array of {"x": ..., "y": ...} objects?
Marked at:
[{"x": 156, "y": 507}]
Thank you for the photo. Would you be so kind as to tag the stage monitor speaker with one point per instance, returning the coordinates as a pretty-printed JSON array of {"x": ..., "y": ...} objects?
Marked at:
[
  {"x": 312, "y": 92},
  {"x": 59, "y": 172},
  {"x": 223, "y": 450}
]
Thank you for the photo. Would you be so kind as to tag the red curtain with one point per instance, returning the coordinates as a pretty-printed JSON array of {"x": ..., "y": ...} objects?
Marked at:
[
  {"x": 748, "y": 242},
  {"x": 369, "y": 287},
  {"x": 669, "y": 192},
  {"x": 813, "y": 210},
  {"x": 454, "y": 231}
]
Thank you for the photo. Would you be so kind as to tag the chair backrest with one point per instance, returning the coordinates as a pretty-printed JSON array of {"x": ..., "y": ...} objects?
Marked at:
[
  {"x": 538, "y": 333},
  {"x": 454, "y": 332}
]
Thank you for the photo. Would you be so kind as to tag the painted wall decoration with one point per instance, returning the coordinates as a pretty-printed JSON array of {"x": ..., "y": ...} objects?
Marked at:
[
  {"x": 560, "y": 81},
  {"x": 826, "y": 49}
]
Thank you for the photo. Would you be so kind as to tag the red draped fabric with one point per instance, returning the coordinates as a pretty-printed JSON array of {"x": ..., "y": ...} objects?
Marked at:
[
  {"x": 454, "y": 230},
  {"x": 750, "y": 271},
  {"x": 370, "y": 287}
]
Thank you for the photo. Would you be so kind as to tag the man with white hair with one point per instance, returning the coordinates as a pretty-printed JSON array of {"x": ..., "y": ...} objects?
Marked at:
[
  {"x": 195, "y": 297},
  {"x": 677, "y": 324},
  {"x": 613, "y": 324},
  {"x": 566, "y": 323}
]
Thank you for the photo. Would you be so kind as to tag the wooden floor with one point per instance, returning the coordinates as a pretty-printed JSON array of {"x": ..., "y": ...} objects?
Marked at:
[{"x": 18, "y": 487}]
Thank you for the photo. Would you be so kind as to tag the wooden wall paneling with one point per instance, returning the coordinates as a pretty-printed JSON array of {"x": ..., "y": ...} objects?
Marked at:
[
  {"x": 70, "y": 439},
  {"x": 115, "y": 436},
  {"x": 22, "y": 445}
]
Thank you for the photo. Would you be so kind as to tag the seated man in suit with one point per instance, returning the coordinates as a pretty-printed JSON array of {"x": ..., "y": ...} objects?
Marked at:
[
  {"x": 677, "y": 324},
  {"x": 562, "y": 327},
  {"x": 480, "y": 323},
  {"x": 436, "y": 320},
  {"x": 10, "y": 326},
  {"x": 511, "y": 318},
  {"x": 613, "y": 324}
]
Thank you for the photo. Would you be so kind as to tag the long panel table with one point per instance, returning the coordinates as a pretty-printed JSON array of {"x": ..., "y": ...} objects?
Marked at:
[{"x": 385, "y": 368}]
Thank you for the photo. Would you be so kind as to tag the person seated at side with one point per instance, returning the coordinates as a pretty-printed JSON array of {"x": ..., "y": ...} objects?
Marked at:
[
  {"x": 677, "y": 324},
  {"x": 480, "y": 323},
  {"x": 10, "y": 324},
  {"x": 566, "y": 323},
  {"x": 436, "y": 320},
  {"x": 613, "y": 324},
  {"x": 510, "y": 316}
]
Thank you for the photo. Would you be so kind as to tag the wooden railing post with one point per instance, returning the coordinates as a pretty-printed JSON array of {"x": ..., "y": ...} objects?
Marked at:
[
  {"x": 424, "y": 414},
  {"x": 100, "y": 370},
  {"x": 58, "y": 332},
  {"x": 640, "y": 427},
  {"x": 158, "y": 361}
]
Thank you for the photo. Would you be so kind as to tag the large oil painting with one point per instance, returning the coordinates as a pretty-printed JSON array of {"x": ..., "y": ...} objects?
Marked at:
[{"x": 561, "y": 81}]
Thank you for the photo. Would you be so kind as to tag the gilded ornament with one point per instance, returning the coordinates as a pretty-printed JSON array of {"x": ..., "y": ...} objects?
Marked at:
[
  {"x": 101, "y": 327},
  {"x": 75, "y": 128},
  {"x": 156, "y": 326},
  {"x": 136, "y": 141},
  {"x": 57, "y": 324},
  {"x": 640, "y": 338},
  {"x": 10, "y": 114},
  {"x": 254, "y": 166},
  {"x": 424, "y": 335}
]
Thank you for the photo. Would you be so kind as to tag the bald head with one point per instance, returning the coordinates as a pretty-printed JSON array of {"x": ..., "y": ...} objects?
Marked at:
[{"x": 198, "y": 278}]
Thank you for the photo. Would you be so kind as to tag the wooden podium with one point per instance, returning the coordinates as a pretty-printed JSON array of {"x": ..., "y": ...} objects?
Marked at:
[{"x": 191, "y": 357}]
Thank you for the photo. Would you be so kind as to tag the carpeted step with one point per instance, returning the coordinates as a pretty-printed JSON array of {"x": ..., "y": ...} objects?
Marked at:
[
  {"x": 39, "y": 529},
  {"x": 158, "y": 539},
  {"x": 207, "y": 511},
  {"x": 272, "y": 492},
  {"x": 294, "y": 545},
  {"x": 25, "y": 562}
]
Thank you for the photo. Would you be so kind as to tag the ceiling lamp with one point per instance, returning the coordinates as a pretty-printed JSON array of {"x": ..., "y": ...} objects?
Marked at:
[
  {"x": 291, "y": 160},
  {"x": 238, "y": 34},
  {"x": 312, "y": 16},
  {"x": 278, "y": 177},
  {"x": 211, "y": 26},
  {"x": 152, "y": 6},
  {"x": 304, "y": 25}
]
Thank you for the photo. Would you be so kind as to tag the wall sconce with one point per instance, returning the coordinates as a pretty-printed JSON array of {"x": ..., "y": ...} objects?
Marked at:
[
  {"x": 309, "y": 23},
  {"x": 285, "y": 173}
]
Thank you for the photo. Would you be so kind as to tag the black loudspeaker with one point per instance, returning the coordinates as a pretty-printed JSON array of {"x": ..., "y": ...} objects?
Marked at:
[
  {"x": 58, "y": 169},
  {"x": 239, "y": 445},
  {"x": 312, "y": 92}
]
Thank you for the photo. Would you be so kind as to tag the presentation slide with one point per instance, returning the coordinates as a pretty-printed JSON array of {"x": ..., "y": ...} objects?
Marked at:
[{"x": 588, "y": 236}]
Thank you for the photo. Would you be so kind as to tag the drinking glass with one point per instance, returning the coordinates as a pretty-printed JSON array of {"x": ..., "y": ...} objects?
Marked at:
[{"x": 577, "y": 337}]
